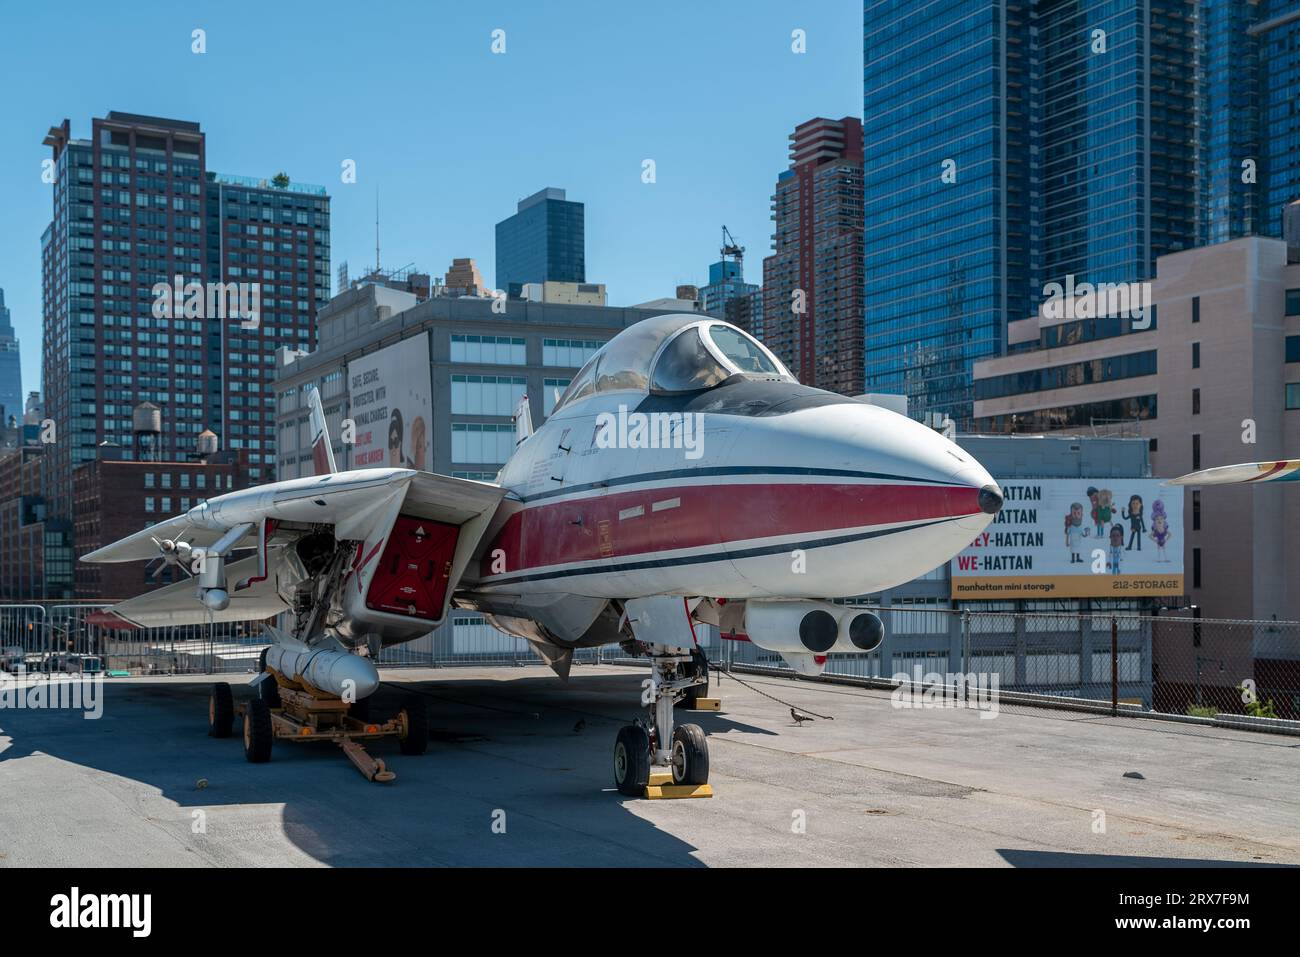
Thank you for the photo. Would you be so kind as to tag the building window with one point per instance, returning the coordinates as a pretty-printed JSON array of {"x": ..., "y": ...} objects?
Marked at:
[
  {"x": 486, "y": 394},
  {"x": 1196, "y": 511},
  {"x": 572, "y": 353},
  {"x": 1196, "y": 309},
  {"x": 167, "y": 505},
  {"x": 149, "y": 479},
  {"x": 1086, "y": 415},
  {"x": 1293, "y": 395},
  {"x": 474, "y": 443},
  {"x": 1196, "y": 402},
  {"x": 1153, "y": 445},
  {"x": 1196, "y": 355},
  {"x": 1061, "y": 377},
  {"x": 1196, "y": 451},
  {"x": 166, "y": 479},
  {"x": 1293, "y": 348},
  {"x": 148, "y": 503},
  {"x": 1293, "y": 302},
  {"x": 1196, "y": 568},
  {"x": 488, "y": 350}
]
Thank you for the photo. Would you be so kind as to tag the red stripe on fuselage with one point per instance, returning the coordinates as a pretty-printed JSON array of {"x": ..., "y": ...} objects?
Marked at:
[{"x": 589, "y": 528}]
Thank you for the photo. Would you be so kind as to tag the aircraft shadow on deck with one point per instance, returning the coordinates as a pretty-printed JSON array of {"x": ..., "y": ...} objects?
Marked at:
[{"x": 514, "y": 746}]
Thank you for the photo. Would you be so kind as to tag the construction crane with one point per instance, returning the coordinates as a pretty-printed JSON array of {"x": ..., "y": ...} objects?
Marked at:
[{"x": 733, "y": 249}]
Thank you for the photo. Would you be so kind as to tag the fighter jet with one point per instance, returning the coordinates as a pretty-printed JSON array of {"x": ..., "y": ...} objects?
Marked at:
[
  {"x": 684, "y": 477},
  {"x": 1284, "y": 470}
]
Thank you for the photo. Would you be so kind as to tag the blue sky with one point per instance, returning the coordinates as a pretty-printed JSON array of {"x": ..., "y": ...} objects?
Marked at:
[{"x": 450, "y": 134}]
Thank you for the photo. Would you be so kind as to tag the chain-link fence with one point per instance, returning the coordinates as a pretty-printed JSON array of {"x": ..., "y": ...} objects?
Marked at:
[
  {"x": 1135, "y": 663},
  {"x": 1165, "y": 664}
]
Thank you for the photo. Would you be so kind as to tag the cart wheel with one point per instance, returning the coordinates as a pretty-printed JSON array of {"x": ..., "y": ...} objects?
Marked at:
[
  {"x": 632, "y": 760},
  {"x": 221, "y": 711},
  {"x": 258, "y": 732},
  {"x": 415, "y": 721},
  {"x": 690, "y": 755}
]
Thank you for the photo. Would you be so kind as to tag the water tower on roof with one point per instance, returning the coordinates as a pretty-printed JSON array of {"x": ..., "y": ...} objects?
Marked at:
[
  {"x": 146, "y": 426},
  {"x": 205, "y": 445}
]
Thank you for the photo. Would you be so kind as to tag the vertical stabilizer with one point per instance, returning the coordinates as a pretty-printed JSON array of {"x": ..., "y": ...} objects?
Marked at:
[
  {"x": 523, "y": 420},
  {"x": 322, "y": 454}
]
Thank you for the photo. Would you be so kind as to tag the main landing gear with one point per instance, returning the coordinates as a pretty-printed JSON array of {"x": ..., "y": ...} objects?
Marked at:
[{"x": 682, "y": 751}]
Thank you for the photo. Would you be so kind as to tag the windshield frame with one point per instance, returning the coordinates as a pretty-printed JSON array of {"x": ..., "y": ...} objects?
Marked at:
[{"x": 704, "y": 327}]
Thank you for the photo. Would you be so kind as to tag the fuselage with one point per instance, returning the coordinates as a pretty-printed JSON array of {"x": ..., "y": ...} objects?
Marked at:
[{"x": 784, "y": 491}]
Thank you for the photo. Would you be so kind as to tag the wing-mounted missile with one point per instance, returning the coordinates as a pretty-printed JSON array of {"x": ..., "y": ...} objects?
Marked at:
[{"x": 805, "y": 632}]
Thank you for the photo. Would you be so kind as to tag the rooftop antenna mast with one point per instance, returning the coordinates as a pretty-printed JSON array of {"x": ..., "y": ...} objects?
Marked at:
[{"x": 376, "y": 229}]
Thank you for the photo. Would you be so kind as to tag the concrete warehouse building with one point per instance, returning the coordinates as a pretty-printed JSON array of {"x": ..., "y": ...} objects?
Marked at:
[
  {"x": 1215, "y": 380},
  {"x": 479, "y": 363}
]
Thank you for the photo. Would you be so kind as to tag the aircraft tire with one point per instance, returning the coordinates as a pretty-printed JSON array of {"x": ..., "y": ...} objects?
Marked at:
[
  {"x": 690, "y": 755},
  {"x": 416, "y": 739},
  {"x": 258, "y": 732},
  {"x": 221, "y": 711},
  {"x": 632, "y": 760},
  {"x": 261, "y": 660}
]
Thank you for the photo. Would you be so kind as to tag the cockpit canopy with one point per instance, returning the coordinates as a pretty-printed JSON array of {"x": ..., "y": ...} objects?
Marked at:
[{"x": 672, "y": 355}]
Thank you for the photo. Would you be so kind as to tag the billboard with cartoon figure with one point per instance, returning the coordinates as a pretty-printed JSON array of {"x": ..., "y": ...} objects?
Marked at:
[
  {"x": 1077, "y": 538},
  {"x": 391, "y": 403}
]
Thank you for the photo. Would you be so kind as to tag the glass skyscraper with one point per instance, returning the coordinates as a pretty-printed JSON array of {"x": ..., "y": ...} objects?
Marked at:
[
  {"x": 946, "y": 191},
  {"x": 1011, "y": 143},
  {"x": 543, "y": 241},
  {"x": 1277, "y": 30},
  {"x": 11, "y": 370}
]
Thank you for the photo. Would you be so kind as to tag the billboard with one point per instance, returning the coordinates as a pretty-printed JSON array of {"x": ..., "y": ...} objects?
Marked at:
[
  {"x": 391, "y": 405},
  {"x": 1077, "y": 538}
]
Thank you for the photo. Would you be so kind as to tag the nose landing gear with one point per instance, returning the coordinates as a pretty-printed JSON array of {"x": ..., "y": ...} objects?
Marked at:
[{"x": 681, "y": 752}]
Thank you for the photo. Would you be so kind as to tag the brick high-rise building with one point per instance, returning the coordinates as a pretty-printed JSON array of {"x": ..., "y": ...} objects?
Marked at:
[
  {"x": 23, "y": 527},
  {"x": 812, "y": 283},
  {"x": 115, "y": 498},
  {"x": 134, "y": 206}
]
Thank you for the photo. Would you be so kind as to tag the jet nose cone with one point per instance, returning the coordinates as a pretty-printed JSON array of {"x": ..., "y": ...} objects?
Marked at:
[{"x": 990, "y": 500}]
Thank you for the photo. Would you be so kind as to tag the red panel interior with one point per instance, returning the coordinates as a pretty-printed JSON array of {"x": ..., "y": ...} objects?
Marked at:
[{"x": 413, "y": 571}]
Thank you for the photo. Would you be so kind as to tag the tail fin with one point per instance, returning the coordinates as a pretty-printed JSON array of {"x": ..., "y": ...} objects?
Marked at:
[
  {"x": 523, "y": 420},
  {"x": 322, "y": 454}
]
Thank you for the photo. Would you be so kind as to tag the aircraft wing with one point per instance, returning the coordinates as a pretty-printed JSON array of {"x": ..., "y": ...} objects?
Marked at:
[
  {"x": 143, "y": 545},
  {"x": 1284, "y": 470},
  {"x": 177, "y": 604}
]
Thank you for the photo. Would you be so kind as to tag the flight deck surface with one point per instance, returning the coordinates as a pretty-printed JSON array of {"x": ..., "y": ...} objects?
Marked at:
[{"x": 519, "y": 772}]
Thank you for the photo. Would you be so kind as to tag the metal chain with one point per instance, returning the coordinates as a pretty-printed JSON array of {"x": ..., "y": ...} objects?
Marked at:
[{"x": 824, "y": 717}]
